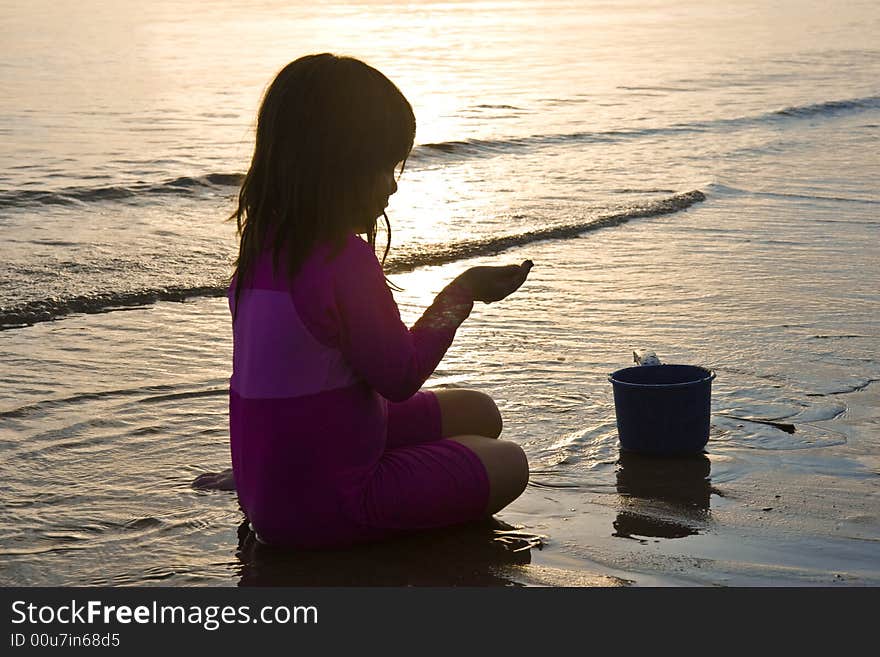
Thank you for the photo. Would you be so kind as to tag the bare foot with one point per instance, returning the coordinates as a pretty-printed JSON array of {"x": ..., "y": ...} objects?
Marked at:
[{"x": 215, "y": 481}]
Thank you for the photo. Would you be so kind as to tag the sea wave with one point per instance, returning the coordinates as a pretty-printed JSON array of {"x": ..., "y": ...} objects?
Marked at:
[
  {"x": 720, "y": 188},
  {"x": 445, "y": 152},
  {"x": 441, "y": 153},
  {"x": 182, "y": 186},
  {"x": 491, "y": 147},
  {"x": 830, "y": 107},
  {"x": 48, "y": 309}
]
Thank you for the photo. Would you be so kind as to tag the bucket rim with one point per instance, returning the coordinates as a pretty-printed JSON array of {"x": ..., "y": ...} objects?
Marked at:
[{"x": 710, "y": 375}]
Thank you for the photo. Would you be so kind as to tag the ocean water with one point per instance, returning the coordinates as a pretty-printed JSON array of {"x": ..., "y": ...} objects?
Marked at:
[{"x": 697, "y": 178}]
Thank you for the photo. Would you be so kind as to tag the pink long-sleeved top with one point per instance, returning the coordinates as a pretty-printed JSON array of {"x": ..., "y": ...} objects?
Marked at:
[{"x": 315, "y": 362}]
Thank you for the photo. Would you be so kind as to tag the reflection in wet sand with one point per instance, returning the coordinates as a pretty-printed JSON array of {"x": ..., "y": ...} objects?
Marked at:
[
  {"x": 681, "y": 485},
  {"x": 468, "y": 555},
  {"x": 634, "y": 525}
]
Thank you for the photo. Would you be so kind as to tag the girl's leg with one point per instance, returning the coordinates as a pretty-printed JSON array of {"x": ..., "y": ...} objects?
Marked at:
[
  {"x": 425, "y": 479},
  {"x": 468, "y": 413},
  {"x": 462, "y": 412},
  {"x": 440, "y": 483},
  {"x": 506, "y": 466},
  {"x": 413, "y": 421},
  {"x": 472, "y": 418},
  {"x": 434, "y": 414}
]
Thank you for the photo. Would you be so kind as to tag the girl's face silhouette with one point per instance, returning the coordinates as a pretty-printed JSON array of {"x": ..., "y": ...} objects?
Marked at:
[{"x": 386, "y": 185}]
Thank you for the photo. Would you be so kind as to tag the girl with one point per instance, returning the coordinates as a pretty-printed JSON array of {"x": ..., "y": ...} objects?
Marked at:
[{"x": 332, "y": 440}]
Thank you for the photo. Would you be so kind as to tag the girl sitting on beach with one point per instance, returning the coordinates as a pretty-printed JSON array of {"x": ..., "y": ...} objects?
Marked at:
[{"x": 332, "y": 440}]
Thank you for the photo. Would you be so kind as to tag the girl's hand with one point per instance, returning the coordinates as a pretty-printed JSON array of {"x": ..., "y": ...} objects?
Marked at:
[{"x": 488, "y": 284}]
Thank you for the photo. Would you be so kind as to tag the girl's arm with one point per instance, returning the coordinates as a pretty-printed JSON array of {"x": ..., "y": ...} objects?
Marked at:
[{"x": 393, "y": 359}]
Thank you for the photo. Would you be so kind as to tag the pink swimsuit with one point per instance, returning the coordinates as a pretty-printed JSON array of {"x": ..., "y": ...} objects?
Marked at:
[{"x": 332, "y": 441}]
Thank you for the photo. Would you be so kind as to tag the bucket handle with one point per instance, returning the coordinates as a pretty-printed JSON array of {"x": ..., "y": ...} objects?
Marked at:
[{"x": 710, "y": 378}]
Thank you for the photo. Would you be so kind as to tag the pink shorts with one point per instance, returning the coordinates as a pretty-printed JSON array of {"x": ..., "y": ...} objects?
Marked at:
[{"x": 422, "y": 480}]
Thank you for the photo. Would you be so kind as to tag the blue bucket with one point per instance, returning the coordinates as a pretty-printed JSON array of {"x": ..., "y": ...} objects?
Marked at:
[{"x": 663, "y": 409}]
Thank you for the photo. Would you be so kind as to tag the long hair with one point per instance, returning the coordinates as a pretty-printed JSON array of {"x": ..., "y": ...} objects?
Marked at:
[{"x": 327, "y": 127}]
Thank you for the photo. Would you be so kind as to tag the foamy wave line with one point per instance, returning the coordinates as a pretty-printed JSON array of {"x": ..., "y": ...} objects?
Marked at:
[
  {"x": 182, "y": 186},
  {"x": 477, "y": 248},
  {"x": 43, "y": 310}
]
